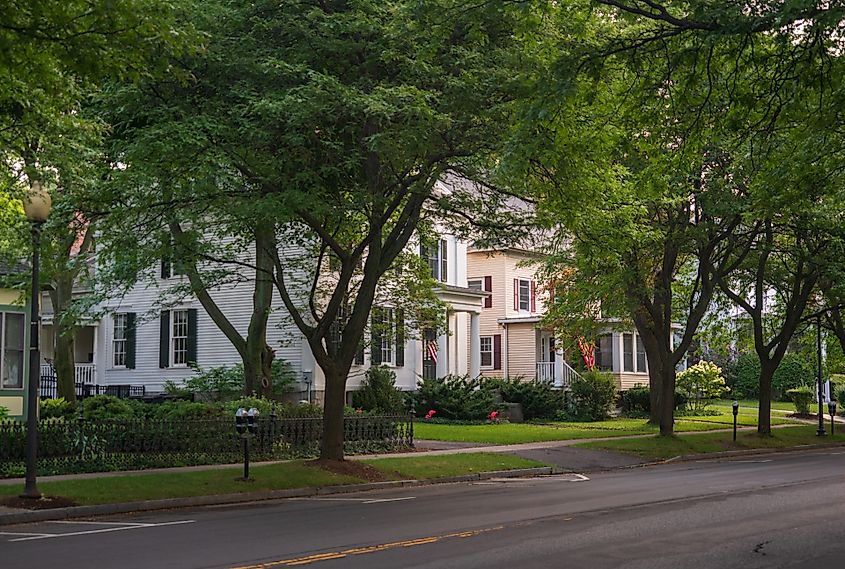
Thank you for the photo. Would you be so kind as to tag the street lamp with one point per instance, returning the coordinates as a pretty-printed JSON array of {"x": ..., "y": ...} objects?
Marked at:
[
  {"x": 36, "y": 205},
  {"x": 820, "y": 432}
]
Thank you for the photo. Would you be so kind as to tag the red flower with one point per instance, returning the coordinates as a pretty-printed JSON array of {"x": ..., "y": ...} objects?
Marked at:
[
  {"x": 430, "y": 414},
  {"x": 493, "y": 415}
]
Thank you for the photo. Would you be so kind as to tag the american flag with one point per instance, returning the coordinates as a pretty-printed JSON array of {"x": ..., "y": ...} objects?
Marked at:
[{"x": 431, "y": 348}]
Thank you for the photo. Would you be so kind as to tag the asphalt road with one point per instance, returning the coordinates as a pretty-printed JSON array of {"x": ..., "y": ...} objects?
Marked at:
[{"x": 780, "y": 510}]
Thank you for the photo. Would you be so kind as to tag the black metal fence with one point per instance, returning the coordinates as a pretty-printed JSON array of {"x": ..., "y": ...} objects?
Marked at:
[
  {"x": 69, "y": 446},
  {"x": 48, "y": 389}
]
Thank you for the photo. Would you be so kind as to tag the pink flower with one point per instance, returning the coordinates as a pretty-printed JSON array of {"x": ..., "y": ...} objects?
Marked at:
[
  {"x": 430, "y": 414},
  {"x": 493, "y": 415}
]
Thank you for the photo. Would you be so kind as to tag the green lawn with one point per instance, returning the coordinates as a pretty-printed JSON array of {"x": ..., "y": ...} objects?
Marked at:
[
  {"x": 135, "y": 487},
  {"x": 661, "y": 448},
  {"x": 514, "y": 433},
  {"x": 751, "y": 405},
  {"x": 424, "y": 467}
]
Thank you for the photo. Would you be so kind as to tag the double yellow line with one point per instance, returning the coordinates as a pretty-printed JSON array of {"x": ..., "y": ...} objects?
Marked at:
[{"x": 369, "y": 549}]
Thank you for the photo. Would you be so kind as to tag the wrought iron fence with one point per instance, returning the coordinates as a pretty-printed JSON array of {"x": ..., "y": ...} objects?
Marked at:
[
  {"x": 48, "y": 389},
  {"x": 76, "y": 445}
]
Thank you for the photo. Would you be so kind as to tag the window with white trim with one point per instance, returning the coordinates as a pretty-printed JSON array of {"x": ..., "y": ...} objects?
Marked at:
[
  {"x": 12, "y": 332},
  {"x": 179, "y": 338},
  {"x": 524, "y": 295},
  {"x": 121, "y": 322},
  {"x": 487, "y": 352},
  {"x": 436, "y": 256},
  {"x": 387, "y": 335},
  {"x": 475, "y": 284},
  {"x": 628, "y": 352},
  {"x": 642, "y": 361}
]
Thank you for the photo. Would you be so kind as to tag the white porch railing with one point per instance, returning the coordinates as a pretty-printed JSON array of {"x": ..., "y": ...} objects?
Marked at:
[
  {"x": 560, "y": 373},
  {"x": 83, "y": 373}
]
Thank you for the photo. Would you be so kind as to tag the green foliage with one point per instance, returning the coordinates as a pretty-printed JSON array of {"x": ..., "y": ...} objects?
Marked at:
[
  {"x": 793, "y": 371},
  {"x": 104, "y": 407},
  {"x": 701, "y": 383},
  {"x": 264, "y": 406},
  {"x": 378, "y": 392},
  {"x": 56, "y": 409},
  {"x": 4, "y": 413},
  {"x": 802, "y": 397},
  {"x": 593, "y": 395},
  {"x": 539, "y": 399},
  {"x": 746, "y": 373},
  {"x": 455, "y": 397},
  {"x": 636, "y": 401},
  {"x": 182, "y": 410},
  {"x": 227, "y": 382}
]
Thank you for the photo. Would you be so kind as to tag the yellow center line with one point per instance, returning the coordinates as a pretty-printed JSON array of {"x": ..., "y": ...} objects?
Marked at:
[{"x": 368, "y": 549}]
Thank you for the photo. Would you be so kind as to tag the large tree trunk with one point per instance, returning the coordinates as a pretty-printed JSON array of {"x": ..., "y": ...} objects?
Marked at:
[
  {"x": 334, "y": 401},
  {"x": 258, "y": 356},
  {"x": 764, "y": 411},
  {"x": 661, "y": 379},
  {"x": 64, "y": 360}
]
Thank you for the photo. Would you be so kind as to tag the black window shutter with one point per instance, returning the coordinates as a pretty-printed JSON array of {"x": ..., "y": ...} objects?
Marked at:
[
  {"x": 488, "y": 287},
  {"x": 400, "y": 337},
  {"x": 375, "y": 337},
  {"x": 164, "y": 340},
  {"x": 497, "y": 351},
  {"x": 359, "y": 355},
  {"x": 192, "y": 336},
  {"x": 130, "y": 340}
]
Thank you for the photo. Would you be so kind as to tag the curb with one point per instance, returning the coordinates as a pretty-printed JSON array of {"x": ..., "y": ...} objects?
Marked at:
[
  {"x": 30, "y": 516},
  {"x": 746, "y": 452}
]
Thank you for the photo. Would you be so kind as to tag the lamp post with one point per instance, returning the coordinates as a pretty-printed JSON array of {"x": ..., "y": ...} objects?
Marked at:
[
  {"x": 37, "y": 207},
  {"x": 820, "y": 432}
]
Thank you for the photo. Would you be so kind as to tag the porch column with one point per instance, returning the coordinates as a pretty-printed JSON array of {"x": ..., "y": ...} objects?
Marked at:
[
  {"x": 474, "y": 344},
  {"x": 442, "y": 365},
  {"x": 558, "y": 368}
]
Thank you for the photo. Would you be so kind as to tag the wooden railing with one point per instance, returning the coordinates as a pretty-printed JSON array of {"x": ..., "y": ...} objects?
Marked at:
[
  {"x": 548, "y": 371},
  {"x": 83, "y": 373}
]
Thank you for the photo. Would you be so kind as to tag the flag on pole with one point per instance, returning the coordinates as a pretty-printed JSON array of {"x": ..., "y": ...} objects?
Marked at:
[{"x": 431, "y": 348}]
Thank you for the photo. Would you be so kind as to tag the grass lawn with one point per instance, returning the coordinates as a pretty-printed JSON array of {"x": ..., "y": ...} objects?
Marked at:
[
  {"x": 135, "y": 487},
  {"x": 514, "y": 433},
  {"x": 660, "y": 448},
  {"x": 752, "y": 404},
  {"x": 424, "y": 467}
]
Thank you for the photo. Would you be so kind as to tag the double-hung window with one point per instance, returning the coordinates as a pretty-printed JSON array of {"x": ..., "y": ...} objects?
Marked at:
[
  {"x": 387, "y": 336},
  {"x": 179, "y": 338},
  {"x": 119, "y": 340},
  {"x": 628, "y": 352},
  {"x": 523, "y": 295},
  {"x": 436, "y": 256},
  {"x": 487, "y": 351},
  {"x": 12, "y": 327}
]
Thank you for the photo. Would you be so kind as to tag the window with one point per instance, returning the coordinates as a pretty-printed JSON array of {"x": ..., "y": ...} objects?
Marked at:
[
  {"x": 642, "y": 364},
  {"x": 628, "y": 352},
  {"x": 523, "y": 297},
  {"x": 179, "y": 338},
  {"x": 437, "y": 258},
  {"x": 119, "y": 340},
  {"x": 604, "y": 353},
  {"x": 387, "y": 336},
  {"x": 487, "y": 351},
  {"x": 475, "y": 284},
  {"x": 485, "y": 285},
  {"x": 12, "y": 353}
]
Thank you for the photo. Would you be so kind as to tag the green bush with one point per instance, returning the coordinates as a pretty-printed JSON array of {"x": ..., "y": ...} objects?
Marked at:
[
  {"x": 840, "y": 398},
  {"x": 793, "y": 371},
  {"x": 746, "y": 373},
  {"x": 264, "y": 406},
  {"x": 299, "y": 410},
  {"x": 539, "y": 400},
  {"x": 701, "y": 384},
  {"x": 802, "y": 397},
  {"x": 182, "y": 410},
  {"x": 593, "y": 396},
  {"x": 227, "y": 382},
  {"x": 59, "y": 408},
  {"x": 106, "y": 407},
  {"x": 4, "y": 413},
  {"x": 378, "y": 392},
  {"x": 455, "y": 397},
  {"x": 636, "y": 401}
]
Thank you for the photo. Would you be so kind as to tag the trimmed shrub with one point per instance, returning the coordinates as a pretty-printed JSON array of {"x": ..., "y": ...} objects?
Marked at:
[
  {"x": 264, "y": 406},
  {"x": 701, "y": 384},
  {"x": 455, "y": 397},
  {"x": 539, "y": 399},
  {"x": 636, "y": 401},
  {"x": 593, "y": 396},
  {"x": 793, "y": 371},
  {"x": 801, "y": 397},
  {"x": 378, "y": 392},
  {"x": 59, "y": 408},
  {"x": 4, "y": 413},
  {"x": 179, "y": 410},
  {"x": 104, "y": 407},
  {"x": 746, "y": 377}
]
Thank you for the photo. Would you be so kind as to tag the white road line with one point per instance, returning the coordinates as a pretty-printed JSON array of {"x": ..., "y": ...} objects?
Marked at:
[
  {"x": 104, "y": 530},
  {"x": 23, "y": 533},
  {"x": 750, "y": 461},
  {"x": 72, "y": 522},
  {"x": 381, "y": 500}
]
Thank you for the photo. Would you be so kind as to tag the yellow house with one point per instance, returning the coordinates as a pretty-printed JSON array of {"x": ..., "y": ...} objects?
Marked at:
[{"x": 13, "y": 342}]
